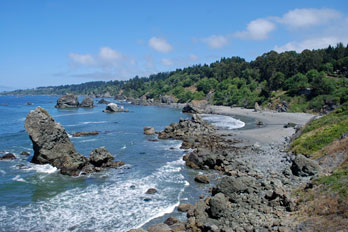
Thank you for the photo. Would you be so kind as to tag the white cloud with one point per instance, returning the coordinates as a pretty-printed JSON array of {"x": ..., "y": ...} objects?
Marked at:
[
  {"x": 257, "y": 29},
  {"x": 167, "y": 62},
  {"x": 216, "y": 41},
  {"x": 109, "y": 55},
  {"x": 301, "y": 18},
  {"x": 160, "y": 45},
  {"x": 314, "y": 43},
  {"x": 83, "y": 59},
  {"x": 193, "y": 57}
]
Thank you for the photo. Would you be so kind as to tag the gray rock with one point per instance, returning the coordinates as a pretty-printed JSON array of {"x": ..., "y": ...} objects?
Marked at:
[
  {"x": 230, "y": 185},
  {"x": 8, "y": 156},
  {"x": 87, "y": 102},
  {"x": 302, "y": 166},
  {"x": 148, "y": 130},
  {"x": 218, "y": 205},
  {"x": 151, "y": 191},
  {"x": 103, "y": 101},
  {"x": 112, "y": 107},
  {"x": 67, "y": 101},
  {"x": 188, "y": 108},
  {"x": 51, "y": 143},
  {"x": 183, "y": 207},
  {"x": 101, "y": 157},
  {"x": 257, "y": 108},
  {"x": 159, "y": 228},
  {"x": 167, "y": 99},
  {"x": 202, "y": 179}
]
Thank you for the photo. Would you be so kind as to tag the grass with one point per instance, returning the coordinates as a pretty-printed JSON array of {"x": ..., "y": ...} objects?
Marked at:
[
  {"x": 336, "y": 182},
  {"x": 321, "y": 132}
]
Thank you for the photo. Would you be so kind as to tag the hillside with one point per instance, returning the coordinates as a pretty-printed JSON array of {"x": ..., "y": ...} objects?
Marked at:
[
  {"x": 323, "y": 202},
  {"x": 313, "y": 80}
]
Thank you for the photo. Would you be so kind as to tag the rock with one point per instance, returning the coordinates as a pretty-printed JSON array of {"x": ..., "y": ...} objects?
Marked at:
[
  {"x": 159, "y": 228},
  {"x": 103, "y": 101},
  {"x": 67, "y": 101},
  {"x": 184, "y": 207},
  {"x": 51, "y": 143},
  {"x": 259, "y": 123},
  {"x": 230, "y": 185},
  {"x": 290, "y": 124},
  {"x": 136, "y": 230},
  {"x": 167, "y": 99},
  {"x": 8, "y": 156},
  {"x": 120, "y": 97},
  {"x": 202, "y": 179},
  {"x": 171, "y": 221},
  {"x": 101, "y": 157},
  {"x": 112, "y": 108},
  {"x": 148, "y": 130},
  {"x": 25, "y": 153},
  {"x": 29, "y": 103},
  {"x": 218, "y": 205},
  {"x": 87, "y": 102},
  {"x": 188, "y": 108},
  {"x": 151, "y": 191},
  {"x": 153, "y": 140},
  {"x": 257, "y": 108},
  {"x": 85, "y": 133},
  {"x": 282, "y": 107},
  {"x": 302, "y": 166}
]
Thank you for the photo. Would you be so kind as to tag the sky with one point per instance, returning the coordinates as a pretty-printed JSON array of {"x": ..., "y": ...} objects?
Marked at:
[{"x": 51, "y": 42}]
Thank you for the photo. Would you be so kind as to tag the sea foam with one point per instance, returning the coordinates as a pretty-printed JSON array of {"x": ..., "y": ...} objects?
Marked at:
[{"x": 222, "y": 121}]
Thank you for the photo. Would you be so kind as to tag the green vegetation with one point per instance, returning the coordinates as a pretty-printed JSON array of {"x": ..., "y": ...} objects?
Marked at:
[
  {"x": 308, "y": 81},
  {"x": 321, "y": 132},
  {"x": 336, "y": 182}
]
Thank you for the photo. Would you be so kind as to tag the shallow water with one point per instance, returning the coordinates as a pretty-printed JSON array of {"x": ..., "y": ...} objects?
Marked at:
[{"x": 37, "y": 198}]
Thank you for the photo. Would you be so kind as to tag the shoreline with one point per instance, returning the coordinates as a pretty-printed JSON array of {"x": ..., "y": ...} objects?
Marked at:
[{"x": 270, "y": 140}]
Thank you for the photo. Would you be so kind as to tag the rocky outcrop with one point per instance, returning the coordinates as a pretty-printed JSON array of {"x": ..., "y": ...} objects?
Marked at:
[
  {"x": 148, "y": 130},
  {"x": 102, "y": 158},
  {"x": 87, "y": 102},
  {"x": 167, "y": 99},
  {"x": 257, "y": 108},
  {"x": 103, "y": 101},
  {"x": 202, "y": 179},
  {"x": 67, "y": 101},
  {"x": 113, "y": 108},
  {"x": 85, "y": 133},
  {"x": 8, "y": 156},
  {"x": 302, "y": 166},
  {"x": 282, "y": 107},
  {"x": 52, "y": 145}
]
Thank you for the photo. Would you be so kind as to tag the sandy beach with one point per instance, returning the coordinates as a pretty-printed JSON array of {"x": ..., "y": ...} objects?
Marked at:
[{"x": 273, "y": 131}]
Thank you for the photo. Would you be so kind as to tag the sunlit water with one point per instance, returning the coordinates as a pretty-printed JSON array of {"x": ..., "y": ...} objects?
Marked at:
[{"x": 37, "y": 198}]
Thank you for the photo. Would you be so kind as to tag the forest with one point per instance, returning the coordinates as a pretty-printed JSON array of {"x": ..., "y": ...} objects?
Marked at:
[{"x": 307, "y": 81}]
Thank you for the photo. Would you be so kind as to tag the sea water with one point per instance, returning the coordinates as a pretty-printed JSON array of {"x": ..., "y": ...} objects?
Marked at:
[{"x": 37, "y": 198}]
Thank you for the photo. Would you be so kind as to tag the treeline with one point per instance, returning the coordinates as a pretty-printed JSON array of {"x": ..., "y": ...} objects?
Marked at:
[{"x": 308, "y": 80}]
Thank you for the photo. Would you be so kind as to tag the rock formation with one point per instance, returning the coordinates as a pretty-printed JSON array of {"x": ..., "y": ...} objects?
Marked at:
[
  {"x": 87, "y": 102},
  {"x": 52, "y": 145},
  {"x": 103, "y": 101},
  {"x": 148, "y": 130},
  {"x": 8, "y": 156},
  {"x": 112, "y": 108},
  {"x": 67, "y": 101}
]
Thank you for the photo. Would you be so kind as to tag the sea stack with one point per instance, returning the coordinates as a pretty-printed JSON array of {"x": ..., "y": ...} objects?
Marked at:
[
  {"x": 67, "y": 101},
  {"x": 52, "y": 146}
]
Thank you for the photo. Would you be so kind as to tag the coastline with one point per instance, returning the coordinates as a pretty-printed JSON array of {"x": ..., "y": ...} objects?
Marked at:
[{"x": 262, "y": 152}]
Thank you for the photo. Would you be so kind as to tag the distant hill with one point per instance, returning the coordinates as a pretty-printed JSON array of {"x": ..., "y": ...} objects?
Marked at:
[{"x": 313, "y": 80}]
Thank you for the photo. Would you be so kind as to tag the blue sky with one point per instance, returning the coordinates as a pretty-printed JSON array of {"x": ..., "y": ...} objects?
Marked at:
[{"x": 64, "y": 42}]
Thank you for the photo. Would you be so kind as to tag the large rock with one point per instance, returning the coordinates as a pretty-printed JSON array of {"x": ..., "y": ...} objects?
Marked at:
[
  {"x": 100, "y": 157},
  {"x": 8, "y": 156},
  {"x": 167, "y": 99},
  {"x": 188, "y": 108},
  {"x": 148, "y": 130},
  {"x": 51, "y": 143},
  {"x": 103, "y": 101},
  {"x": 202, "y": 179},
  {"x": 302, "y": 166},
  {"x": 67, "y": 101},
  {"x": 87, "y": 102},
  {"x": 112, "y": 108}
]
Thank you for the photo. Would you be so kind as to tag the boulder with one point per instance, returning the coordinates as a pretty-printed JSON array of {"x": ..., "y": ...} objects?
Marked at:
[
  {"x": 184, "y": 207},
  {"x": 188, "y": 108},
  {"x": 282, "y": 107},
  {"x": 257, "y": 108},
  {"x": 67, "y": 101},
  {"x": 171, "y": 221},
  {"x": 112, "y": 108},
  {"x": 51, "y": 143},
  {"x": 101, "y": 157},
  {"x": 8, "y": 156},
  {"x": 218, "y": 205},
  {"x": 85, "y": 133},
  {"x": 167, "y": 99},
  {"x": 302, "y": 166},
  {"x": 29, "y": 103},
  {"x": 159, "y": 228},
  {"x": 148, "y": 130},
  {"x": 87, "y": 102},
  {"x": 231, "y": 185},
  {"x": 151, "y": 191},
  {"x": 202, "y": 179},
  {"x": 25, "y": 153},
  {"x": 103, "y": 101}
]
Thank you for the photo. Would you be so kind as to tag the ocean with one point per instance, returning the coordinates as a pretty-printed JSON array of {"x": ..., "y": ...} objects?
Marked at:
[{"x": 37, "y": 198}]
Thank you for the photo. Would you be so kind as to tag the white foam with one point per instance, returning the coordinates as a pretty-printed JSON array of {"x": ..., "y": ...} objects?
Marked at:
[
  {"x": 88, "y": 140},
  {"x": 72, "y": 114},
  {"x": 18, "y": 178},
  {"x": 42, "y": 168},
  {"x": 96, "y": 122},
  {"x": 223, "y": 121},
  {"x": 2, "y": 172},
  {"x": 124, "y": 147}
]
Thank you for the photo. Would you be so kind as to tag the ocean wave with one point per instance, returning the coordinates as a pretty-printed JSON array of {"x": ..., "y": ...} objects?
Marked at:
[
  {"x": 85, "y": 123},
  {"x": 18, "y": 178},
  {"x": 222, "y": 121},
  {"x": 41, "y": 168},
  {"x": 72, "y": 114}
]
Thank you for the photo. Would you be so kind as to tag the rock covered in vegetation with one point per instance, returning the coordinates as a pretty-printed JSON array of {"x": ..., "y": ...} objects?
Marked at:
[
  {"x": 52, "y": 145},
  {"x": 87, "y": 102},
  {"x": 67, "y": 101}
]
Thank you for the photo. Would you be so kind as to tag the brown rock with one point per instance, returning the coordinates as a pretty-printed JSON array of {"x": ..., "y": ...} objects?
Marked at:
[
  {"x": 184, "y": 207},
  {"x": 202, "y": 179},
  {"x": 8, "y": 156},
  {"x": 148, "y": 130},
  {"x": 85, "y": 133}
]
